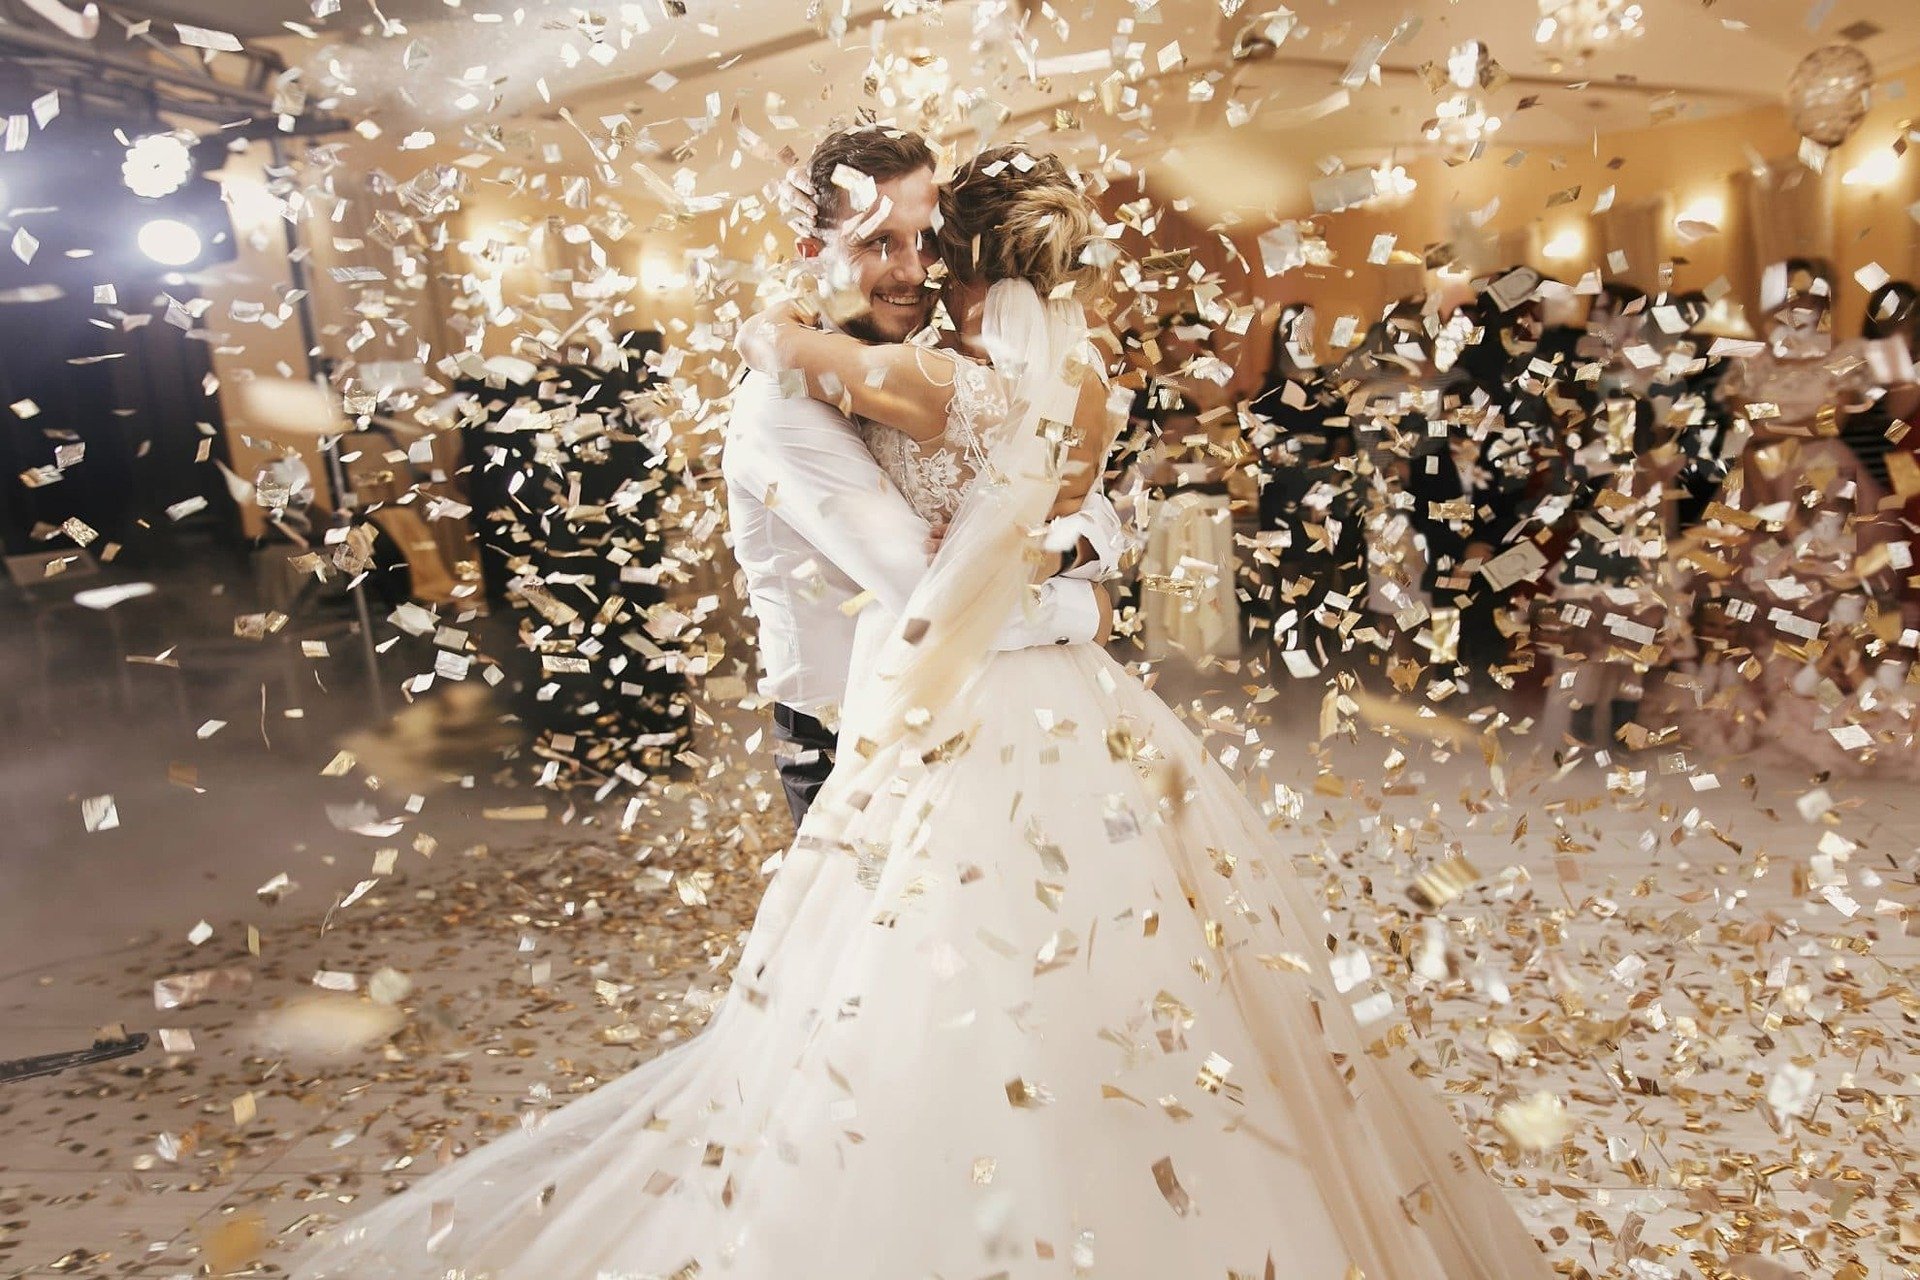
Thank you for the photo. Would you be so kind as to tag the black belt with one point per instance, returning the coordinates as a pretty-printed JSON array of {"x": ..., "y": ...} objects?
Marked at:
[{"x": 798, "y": 726}]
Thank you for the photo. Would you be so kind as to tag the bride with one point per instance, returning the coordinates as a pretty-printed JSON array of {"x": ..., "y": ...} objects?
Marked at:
[{"x": 1034, "y": 993}]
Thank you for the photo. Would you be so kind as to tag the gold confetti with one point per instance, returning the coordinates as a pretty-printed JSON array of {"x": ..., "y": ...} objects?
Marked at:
[{"x": 1170, "y": 1188}]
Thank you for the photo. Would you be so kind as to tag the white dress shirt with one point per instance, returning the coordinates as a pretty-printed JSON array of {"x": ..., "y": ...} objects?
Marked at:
[{"x": 816, "y": 525}]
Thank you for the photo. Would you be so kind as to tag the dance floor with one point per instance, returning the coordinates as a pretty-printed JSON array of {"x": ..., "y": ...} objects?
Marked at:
[{"x": 1714, "y": 981}]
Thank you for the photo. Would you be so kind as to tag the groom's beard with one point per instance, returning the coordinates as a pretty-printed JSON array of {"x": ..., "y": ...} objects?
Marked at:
[
  {"x": 862, "y": 326},
  {"x": 868, "y": 330}
]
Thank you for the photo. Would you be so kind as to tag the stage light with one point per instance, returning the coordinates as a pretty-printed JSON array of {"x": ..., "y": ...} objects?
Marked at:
[
  {"x": 157, "y": 165},
  {"x": 170, "y": 242}
]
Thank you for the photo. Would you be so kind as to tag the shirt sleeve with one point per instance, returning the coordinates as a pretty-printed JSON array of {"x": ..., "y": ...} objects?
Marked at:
[{"x": 808, "y": 465}]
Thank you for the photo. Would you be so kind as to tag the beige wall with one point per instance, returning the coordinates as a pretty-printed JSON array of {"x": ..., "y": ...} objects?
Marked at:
[{"x": 1678, "y": 165}]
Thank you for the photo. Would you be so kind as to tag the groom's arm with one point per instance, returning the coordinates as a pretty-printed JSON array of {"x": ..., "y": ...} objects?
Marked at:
[{"x": 807, "y": 463}]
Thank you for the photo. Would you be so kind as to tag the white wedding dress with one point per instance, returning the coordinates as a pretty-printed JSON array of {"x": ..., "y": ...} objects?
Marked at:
[{"x": 1034, "y": 994}]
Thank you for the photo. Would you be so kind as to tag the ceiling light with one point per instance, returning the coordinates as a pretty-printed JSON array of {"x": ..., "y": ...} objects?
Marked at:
[
  {"x": 1461, "y": 124},
  {"x": 921, "y": 76},
  {"x": 1578, "y": 29},
  {"x": 1393, "y": 186}
]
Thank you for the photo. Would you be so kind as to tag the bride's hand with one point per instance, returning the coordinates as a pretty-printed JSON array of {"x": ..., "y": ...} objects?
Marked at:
[
  {"x": 793, "y": 196},
  {"x": 1103, "y": 636},
  {"x": 758, "y": 340}
]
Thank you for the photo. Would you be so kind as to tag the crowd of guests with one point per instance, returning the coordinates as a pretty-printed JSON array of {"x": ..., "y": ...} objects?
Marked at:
[{"x": 1659, "y": 523}]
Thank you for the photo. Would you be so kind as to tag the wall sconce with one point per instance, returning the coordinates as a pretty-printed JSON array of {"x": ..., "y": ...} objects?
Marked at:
[
  {"x": 1703, "y": 209},
  {"x": 1567, "y": 244},
  {"x": 1699, "y": 219},
  {"x": 1878, "y": 169},
  {"x": 661, "y": 274}
]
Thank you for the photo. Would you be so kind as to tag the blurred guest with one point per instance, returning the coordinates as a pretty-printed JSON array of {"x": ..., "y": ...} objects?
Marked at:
[
  {"x": 1189, "y": 600},
  {"x": 1309, "y": 526},
  {"x": 1412, "y": 512},
  {"x": 1616, "y": 613},
  {"x": 1802, "y": 620},
  {"x": 1893, "y": 324},
  {"x": 1706, "y": 440},
  {"x": 1515, "y": 440}
]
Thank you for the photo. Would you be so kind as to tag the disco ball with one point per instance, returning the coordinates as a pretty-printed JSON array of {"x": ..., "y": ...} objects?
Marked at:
[{"x": 1827, "y": 94}]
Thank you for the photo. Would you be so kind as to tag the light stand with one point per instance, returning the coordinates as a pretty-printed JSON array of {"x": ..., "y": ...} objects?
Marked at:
[{"x": 330, "y": 448}]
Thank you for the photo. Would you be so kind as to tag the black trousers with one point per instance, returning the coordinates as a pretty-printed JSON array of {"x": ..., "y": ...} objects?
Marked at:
[{"x": 802, "y": 770}]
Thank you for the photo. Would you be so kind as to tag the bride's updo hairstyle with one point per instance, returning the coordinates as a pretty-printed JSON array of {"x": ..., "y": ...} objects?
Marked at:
[{"x": 1011, "y": 214}]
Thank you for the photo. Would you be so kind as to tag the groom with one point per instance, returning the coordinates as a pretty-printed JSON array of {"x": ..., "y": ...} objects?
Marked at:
[{"x": 818, "y": 529}]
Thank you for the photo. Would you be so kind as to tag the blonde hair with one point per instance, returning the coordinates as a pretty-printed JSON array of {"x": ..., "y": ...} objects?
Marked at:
[{"x": 1009, "y": 214}]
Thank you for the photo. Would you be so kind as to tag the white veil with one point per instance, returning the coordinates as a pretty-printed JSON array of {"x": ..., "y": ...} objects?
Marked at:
[{"x": 976, "y": 581}]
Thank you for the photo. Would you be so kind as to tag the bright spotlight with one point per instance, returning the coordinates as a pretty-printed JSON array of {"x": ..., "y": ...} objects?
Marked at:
[
  {"x": 157, "y": 165},
  {"x": 170, "y": 242}
]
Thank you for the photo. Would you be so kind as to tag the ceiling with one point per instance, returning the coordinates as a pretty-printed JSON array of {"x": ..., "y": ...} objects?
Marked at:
[
  {"x": 269, "y": 17},
  {"x": 432, "y": 71}
]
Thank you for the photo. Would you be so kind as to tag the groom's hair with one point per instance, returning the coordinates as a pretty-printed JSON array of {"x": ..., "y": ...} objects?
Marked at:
[{"x": 881, "y": 152}]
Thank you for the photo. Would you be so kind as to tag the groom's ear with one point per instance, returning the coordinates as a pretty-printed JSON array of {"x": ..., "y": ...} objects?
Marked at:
[{"x": 810, "y": 246}]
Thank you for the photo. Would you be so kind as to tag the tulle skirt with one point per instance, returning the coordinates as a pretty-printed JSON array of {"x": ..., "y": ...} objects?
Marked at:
[{"x": 1059, "y": 1006}]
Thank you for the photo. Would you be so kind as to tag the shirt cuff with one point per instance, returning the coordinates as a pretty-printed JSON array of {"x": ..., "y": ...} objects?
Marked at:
[{"x": 1099, "y": 524}]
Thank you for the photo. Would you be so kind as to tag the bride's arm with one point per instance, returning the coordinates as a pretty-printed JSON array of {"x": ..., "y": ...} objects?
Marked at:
[
  {"x": 1094, "y": 430},
  {"x": 907, "y": 387}
]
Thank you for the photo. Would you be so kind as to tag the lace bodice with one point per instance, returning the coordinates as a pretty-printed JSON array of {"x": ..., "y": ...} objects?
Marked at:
[{"x": 934, "y": 476}]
